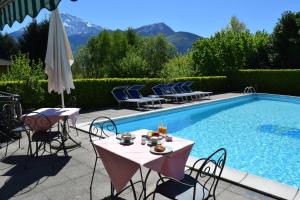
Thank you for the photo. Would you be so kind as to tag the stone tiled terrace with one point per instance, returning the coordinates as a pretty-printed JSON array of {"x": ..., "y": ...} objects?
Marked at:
[{"x": 54, "y": 177}]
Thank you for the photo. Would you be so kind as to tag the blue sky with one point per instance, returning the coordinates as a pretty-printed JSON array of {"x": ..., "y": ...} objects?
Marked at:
[{"x": 203, "y": 17}]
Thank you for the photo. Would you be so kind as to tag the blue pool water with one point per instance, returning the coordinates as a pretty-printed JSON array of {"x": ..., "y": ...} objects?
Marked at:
[{"x": 260, "y": 132}]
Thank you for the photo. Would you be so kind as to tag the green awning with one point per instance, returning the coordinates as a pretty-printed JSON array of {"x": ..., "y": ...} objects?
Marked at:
[{"x": 17, "y": 10}]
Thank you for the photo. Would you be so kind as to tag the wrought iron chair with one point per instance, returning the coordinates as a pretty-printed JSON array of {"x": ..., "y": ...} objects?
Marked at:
[
  {"x": 100, "y": 128},
  {"x": 39, "y": 130},
  {"x": 11, "y": 127},
  {"x": 200, "y": 183}
]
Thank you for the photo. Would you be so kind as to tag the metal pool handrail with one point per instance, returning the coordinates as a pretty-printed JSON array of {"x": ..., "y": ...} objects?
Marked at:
[{"x": 249, "y": 90}]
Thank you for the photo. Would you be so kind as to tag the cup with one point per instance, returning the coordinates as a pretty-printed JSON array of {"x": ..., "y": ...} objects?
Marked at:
[
  {"x": 154, "y": 140},
  {"x": 126, "y": 137},
  {"x": 169, "y": 138},
  {"x": 143, "y": 140}
]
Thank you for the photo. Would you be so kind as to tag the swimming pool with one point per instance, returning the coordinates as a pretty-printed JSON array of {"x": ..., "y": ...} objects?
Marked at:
[{"x": 260, "y": 132}]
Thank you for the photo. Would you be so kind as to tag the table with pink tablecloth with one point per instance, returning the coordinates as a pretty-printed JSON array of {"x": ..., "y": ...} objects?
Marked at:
[
  {"x": 54, "y": 115},
  {"x": 121, "y": 162}
]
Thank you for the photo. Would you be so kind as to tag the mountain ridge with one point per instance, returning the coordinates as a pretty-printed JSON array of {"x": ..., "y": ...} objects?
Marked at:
[{"x": 80, "y": 31}]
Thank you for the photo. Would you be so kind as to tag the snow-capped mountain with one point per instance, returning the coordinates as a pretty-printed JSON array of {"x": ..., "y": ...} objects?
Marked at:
[{"x": 75, "y": 26}]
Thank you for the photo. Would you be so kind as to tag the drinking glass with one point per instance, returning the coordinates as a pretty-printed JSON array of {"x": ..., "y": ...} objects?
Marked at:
[
  {"x": 164, "y": 129},
  {"x": 160, "y": 126}
]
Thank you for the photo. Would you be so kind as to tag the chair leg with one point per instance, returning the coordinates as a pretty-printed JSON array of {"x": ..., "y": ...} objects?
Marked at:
[
  {"x": 91, "y": 184},
  {"x": 153, "y": 197},
  {"x": 36, "y": 149},
  {"x": 50, "y": 148},
  {"x": 133, "y": 189},
  {"x": 112, "y": 196},
  {"x": 6, "y": 149},
  {"x": 63, "y": 146},
  {"x": 76, "y": 130}
]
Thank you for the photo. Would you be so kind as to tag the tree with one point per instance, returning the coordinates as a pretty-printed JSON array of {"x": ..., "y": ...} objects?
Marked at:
[
  {"x": 8, "y": 46},
  {"x": 132, "y": 65},
  {"x": 236, "y": 25},
  {"x": 82, "y": 67},
  {"x": 132, "y": 38},
  {"x": 231, "y": 49},
  {"x": 156, "y": 51},
  {"x": 223, "y": 53},
  {"x": 34, "y": 40},
  {"x": 27, "y": 74},
  {"x": 260, "y": 53},
  {"x": 286, "y": 40},
  {"x": 124, "y": 54},
  {"x": 179, "y": 66}
]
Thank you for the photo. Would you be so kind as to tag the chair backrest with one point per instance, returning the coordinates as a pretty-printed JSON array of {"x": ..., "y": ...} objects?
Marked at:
[
  {"x": 186, "y": 86},
  {"x": 168, "y": 88},
  {"x": 8, "y": 111},
  {"x": 119, "y": 93},
  {"x": 158, "y": 90},
  {"x": 36, "y": 121},
  {"x": 134, "y": 93},
  {"x": 177, "y": 87},
  {"x": 210, "y": 170},
  {"x": 100, "y": 128}
]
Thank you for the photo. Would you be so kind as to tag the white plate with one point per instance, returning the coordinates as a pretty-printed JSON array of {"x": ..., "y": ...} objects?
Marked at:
[
  {"x": 119, "y": 136},
  {"x": 167, "y": 150}
]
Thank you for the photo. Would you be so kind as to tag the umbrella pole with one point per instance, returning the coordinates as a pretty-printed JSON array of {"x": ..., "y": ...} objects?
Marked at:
[{"x": 62, "y": 100}]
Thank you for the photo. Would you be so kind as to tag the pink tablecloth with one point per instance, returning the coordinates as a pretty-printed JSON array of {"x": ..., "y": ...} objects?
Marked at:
[
  {"x": 53, "y": 114},
  {"x": 122, "y": 162}
]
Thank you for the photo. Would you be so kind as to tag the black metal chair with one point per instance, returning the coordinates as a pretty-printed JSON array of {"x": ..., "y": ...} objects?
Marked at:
[
  {"x": 200, "y": 183},
  {"x": 39, "y": 130},
  {"x": 100, "y": 128},
  {"x": 11, "y": 127}
]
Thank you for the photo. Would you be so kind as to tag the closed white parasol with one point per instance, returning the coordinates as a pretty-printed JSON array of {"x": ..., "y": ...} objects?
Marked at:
[{"x": 59, "y": 58}]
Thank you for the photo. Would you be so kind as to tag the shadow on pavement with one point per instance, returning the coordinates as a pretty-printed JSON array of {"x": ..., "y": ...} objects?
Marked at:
[{"x": 28, "y": 171}]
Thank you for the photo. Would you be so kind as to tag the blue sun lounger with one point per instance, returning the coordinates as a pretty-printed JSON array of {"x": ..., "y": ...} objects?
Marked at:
[
  {"x": 165, "y": 91},
  {"x": 121, "y": 97},
  {"x": 186, "y": 88},
  {"x": 134, "y": 92},
  {"x": 178, "y": 90}
]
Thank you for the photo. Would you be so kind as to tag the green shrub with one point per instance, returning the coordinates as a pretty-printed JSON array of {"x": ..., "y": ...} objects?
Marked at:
[
  {"x": 281, "y": 81},
  {"x": 96, "y": 93},
  {"x": 26, "y": 75}
]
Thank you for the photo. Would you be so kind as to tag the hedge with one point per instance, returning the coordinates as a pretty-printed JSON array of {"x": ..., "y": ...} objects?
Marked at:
[
  {"x": 96, "y": 93},
  {"x": 279, "y": 81}
]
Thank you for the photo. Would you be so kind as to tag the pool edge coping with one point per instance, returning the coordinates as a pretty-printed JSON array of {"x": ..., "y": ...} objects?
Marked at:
[
  {"x": 255, "y": 183},
  {"x": 250, "y": 181}
]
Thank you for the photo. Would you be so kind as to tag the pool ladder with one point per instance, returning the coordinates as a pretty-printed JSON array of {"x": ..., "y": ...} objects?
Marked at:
[{"x": 249, "y": 90}]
